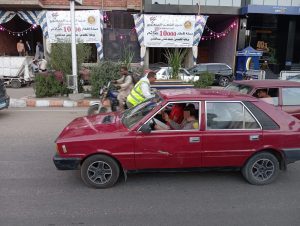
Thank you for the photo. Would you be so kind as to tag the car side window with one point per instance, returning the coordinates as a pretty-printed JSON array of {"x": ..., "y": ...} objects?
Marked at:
[
  {"x": 229, "y": 115},
  {"x": 212, "y": 68},
  {"x": 269, "y": 95},
  {"x": 290, "y": 96},
  {"x": 176, "y": 116}
]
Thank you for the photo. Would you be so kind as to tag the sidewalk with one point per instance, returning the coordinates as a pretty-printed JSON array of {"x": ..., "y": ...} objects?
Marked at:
[{"x": 25, "y": 97}]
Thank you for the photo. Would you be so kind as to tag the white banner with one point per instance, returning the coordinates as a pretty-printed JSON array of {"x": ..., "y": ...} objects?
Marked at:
[
  {"x": 87, "y": 25},
  {"x": 169, "y": 30}
]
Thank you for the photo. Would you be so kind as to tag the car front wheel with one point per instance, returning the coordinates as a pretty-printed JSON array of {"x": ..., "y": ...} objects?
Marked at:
[
  {"x": 261, "y": 169},
  {"x": 100, "y": 171},
  {"x": 224, "y": 81}
]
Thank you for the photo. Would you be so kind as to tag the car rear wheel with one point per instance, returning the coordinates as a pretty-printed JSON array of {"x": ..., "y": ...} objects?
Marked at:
[
  {"x": 261, "y": 169},
  {"x": 100, "y": 171},
  {"x": 224, "y": 81}
]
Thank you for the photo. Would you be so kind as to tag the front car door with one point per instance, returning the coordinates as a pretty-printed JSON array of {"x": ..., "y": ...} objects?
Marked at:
[
  {"x": 169, "y": 148},
  {"x": 232, "y": 133}
]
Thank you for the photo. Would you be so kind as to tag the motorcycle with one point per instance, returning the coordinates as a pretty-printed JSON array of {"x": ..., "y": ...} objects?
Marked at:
[{"x": 108, "y": 101}]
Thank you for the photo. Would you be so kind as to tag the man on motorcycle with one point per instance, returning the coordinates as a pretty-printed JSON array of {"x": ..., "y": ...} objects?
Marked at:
[
  {"x": 125, "y": 84},
  {"x": 141, "y": 91}
]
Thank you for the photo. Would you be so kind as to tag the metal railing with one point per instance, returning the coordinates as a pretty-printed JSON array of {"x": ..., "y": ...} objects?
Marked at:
[
  {"x": 286, "y": 74},
  {"x": 275, "y": 2},
  {"x": 233, "y": 3}
]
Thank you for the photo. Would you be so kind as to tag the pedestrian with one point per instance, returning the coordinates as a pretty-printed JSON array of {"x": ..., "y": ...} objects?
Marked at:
[
  {"x": 39, "y": 51},
  {"x": 141, "y": 91},
  {"x": 20, "y": 48},
  {"x": 28, "y": 48},
  {"x": 125, "y": 83}
]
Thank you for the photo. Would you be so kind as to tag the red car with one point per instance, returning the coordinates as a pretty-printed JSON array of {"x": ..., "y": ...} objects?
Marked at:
[
  {"x": 220, "y": 129},
  {"x": 281, "y": 93}
]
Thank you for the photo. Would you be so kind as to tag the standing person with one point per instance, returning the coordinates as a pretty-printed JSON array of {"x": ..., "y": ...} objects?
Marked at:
[
  {"x": 21, "y": 48},
  {"x": 28, "y": 48},
  {"x": 41, "y": 47},
  {"x": 125, "y": 83},
  {"x": 141, "y": 90},
  {"x": 37, "y": 51}
]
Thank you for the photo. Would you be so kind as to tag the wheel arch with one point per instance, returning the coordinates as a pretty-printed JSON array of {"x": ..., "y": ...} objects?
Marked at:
[
  {"x": 277, "y": 153},
  {"x": 122, "y": 170}
]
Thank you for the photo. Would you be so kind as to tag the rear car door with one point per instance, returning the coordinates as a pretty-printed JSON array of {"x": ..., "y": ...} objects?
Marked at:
[{"x": 231, "y": 135}]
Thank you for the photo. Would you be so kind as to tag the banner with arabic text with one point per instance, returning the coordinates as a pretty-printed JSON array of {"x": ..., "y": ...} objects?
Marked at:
[
  {"x": 169, "y": 30},
  {"x": 87, "y": 26}
]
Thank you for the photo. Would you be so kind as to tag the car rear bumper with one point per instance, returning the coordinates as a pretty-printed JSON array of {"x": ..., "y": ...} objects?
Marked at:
[
  {"x": 66, "y": 163},
  {"x": 291, "y": 155},
  {"x": 4, "y": 102}
]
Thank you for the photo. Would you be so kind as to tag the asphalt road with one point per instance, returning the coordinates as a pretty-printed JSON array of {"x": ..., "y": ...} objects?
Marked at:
[{"x": 33, "y": 192}]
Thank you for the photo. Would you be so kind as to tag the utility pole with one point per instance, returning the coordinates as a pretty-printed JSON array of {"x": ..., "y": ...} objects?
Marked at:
[{"x": 73, "y": 43}]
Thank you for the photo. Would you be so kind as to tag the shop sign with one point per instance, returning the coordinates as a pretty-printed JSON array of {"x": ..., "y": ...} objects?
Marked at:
[
  {"x": 87, "y": 26},
  {"x": 261, "y": 45},
  {"x": 169, "y": 30}
]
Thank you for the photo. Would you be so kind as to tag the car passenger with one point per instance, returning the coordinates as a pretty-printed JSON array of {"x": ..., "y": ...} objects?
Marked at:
[
  {"x": 263, "y": 94},
  {"x": 189, "y": 122}
]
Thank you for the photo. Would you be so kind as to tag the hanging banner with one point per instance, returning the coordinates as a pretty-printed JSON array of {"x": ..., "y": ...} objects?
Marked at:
[
  {"x": 169, "y": 30},
  {"x": 87, "y": 26}
]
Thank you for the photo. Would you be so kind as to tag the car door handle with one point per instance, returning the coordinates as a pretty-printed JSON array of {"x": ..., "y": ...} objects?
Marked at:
[
  {"x": 163, "y": 152},
  {"x": 194, "y": 139},
  {"x": 254, "y": 137}
]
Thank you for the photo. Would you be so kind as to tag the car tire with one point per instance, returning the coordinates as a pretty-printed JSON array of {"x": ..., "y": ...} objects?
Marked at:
[
  {"x": 100, "y": 171},
  {"x": 15, "y": 84},
  {"x": 92, "y": 110},
  {"x": 224, "y": 81},
  {"x": 261, "y": 169}
]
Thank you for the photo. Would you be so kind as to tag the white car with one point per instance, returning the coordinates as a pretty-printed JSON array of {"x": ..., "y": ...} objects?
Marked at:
[{"x": 165, "y": 73}]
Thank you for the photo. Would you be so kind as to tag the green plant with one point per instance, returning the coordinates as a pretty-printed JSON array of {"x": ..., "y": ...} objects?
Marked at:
[
  {"x": 175, "y": 58},
  {"x": 127, "y": 57},
  {"x": 61, "y": 56},
  {"x": 206, "y": 79},
  {"x": 48, "y": 85},
  {"x": 272, "y": 56},
  {"x": 103, "y": 73}
]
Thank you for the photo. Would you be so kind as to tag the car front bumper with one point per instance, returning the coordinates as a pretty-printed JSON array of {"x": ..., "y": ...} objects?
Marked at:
[
  {"x": 4, "y": 102},
  {"x": 291, "y": 155},
  {"x": 66, "y": 163}
]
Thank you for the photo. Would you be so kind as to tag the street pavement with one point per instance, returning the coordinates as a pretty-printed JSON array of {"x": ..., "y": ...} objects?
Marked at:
[{"x": 33, "y": 192}]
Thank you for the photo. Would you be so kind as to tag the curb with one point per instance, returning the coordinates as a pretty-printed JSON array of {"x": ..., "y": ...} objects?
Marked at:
[{"x": 19, "y": 103}]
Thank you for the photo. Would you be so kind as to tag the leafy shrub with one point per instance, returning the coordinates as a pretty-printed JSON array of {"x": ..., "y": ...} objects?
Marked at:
[
  {"x": 103, "y": 73},
  {"x": 175, "y": 58},
  {"x": 46, "y": 85},
  {"x": 205, "y": 79}
]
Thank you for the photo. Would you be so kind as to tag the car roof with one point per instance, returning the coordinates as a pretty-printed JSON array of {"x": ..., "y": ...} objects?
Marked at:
[
  {"x": 207, "y": 94},
  {"x": 267, "y": 83}
]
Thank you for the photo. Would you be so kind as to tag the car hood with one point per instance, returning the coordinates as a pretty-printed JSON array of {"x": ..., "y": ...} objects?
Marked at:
[{"x": 91, "y": 125}]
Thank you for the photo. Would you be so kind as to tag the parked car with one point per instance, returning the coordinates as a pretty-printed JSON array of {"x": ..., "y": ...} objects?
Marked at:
[
  {"x": 282, "y": 93},
  {"x": 165, "y": 73},
  {"x": 222, "y": 72},
  {"x": 4, "y": 98},
  {"x": 295, "y": 78},
  {"x": 228, "y": 129}
]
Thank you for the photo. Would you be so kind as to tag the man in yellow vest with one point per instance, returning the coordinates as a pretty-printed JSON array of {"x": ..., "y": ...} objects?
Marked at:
[{"x": 141, "y": 90}]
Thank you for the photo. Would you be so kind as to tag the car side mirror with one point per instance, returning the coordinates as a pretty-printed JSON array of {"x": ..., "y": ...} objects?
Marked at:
[{"x": 146, "y": 128}]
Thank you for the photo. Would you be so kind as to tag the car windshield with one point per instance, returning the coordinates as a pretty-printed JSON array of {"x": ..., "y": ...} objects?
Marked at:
[
  {"x": 239, "y": 88},
  {"x": 133, "y": 115}
]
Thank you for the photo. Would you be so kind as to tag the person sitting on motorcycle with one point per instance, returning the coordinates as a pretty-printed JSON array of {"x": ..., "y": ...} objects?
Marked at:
[
  {"x": 141, "y": 91},
  {"x": 125, "y": 84}
]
